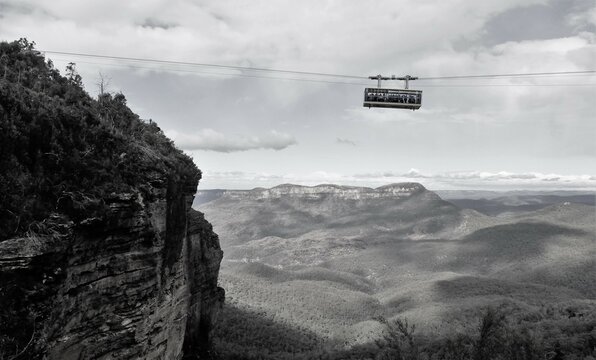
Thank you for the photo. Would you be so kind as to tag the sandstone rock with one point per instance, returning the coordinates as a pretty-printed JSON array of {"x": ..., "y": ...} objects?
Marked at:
[{"x": 139, "y": 283}]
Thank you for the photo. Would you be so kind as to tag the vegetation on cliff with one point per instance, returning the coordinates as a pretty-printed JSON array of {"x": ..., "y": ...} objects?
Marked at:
[
  {"x": 62, "y": 150},
  {"x": 63, "y": 157}
]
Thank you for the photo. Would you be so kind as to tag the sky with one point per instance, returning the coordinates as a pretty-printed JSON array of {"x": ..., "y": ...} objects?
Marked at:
[{"x": 247, "y": 129}]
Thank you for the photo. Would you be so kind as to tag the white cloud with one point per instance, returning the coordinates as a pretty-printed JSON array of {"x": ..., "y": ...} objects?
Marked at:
[
  {"x": 485, "y": 179},
  {"x": 209, "y": 139},
  {"x": 304, "y": 35},
  {"x": 583, "y": 19},
  {"x": 513, "y": 125},
  {"x": 343, "y": 141}
]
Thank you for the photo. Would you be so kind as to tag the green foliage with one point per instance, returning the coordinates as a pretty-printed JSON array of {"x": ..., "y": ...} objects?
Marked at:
[
  {"x": 398, "y": 341},
  {"x": 257, "y": 336},
  {"x": 567, "y": 332},
  {"x": 491, "y": 331},
  {"x": 62, "y": 151},
  {"x": 72, "y": 75}
]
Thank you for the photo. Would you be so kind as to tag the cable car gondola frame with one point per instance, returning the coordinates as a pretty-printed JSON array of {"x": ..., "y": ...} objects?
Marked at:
[{"x": 393, "y": 98}]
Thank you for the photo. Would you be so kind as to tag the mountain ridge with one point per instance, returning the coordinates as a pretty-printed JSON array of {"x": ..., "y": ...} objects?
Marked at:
[{"x": 397, "y": 190}]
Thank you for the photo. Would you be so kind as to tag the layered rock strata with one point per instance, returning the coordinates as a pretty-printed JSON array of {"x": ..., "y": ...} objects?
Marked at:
[{"x": 137, "y": 283}]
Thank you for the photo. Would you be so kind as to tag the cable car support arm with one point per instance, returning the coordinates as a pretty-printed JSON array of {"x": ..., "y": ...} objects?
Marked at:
[{"x": 406, "y": 78}]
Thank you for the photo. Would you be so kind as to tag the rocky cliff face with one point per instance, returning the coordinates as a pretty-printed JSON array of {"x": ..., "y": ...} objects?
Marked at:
[
  {"x": 138, "y": 283},
  {"x": 101, "y": 256}
]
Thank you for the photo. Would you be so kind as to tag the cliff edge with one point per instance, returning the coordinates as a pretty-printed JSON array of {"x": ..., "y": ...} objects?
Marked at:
[{"x": 101, "y": 255}]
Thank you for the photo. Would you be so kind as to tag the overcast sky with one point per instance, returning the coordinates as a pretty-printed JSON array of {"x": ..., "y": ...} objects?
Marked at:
[{"x": 246, "y": 131}]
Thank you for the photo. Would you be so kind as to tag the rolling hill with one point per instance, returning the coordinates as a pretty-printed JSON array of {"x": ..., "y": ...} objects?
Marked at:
[{"x": 329, "y": 260}]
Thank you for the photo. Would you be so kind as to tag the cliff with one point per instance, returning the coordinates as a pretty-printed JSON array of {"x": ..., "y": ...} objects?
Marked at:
[
  {"x": 101, "y": 255},
  {"x": 134, "y": 284}
]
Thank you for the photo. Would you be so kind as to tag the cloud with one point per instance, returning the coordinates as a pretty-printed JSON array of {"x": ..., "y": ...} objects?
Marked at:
[
  {"x": 249, "y": 179},
  {"x": 463, "y": 124},
  {"x": 209, "y": 139},
  {"x": 345, "y": 141},
  {"x": 155, "y": 23},
  {"x": 262, "y": 34},
  {"x": 483, "y": 179},
  {"x": 8, "y": 7},
  {"x": 585, "y": 20}
]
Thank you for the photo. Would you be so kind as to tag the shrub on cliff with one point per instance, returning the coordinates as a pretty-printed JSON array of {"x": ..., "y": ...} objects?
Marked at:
[{"x": 63, "y": 151}]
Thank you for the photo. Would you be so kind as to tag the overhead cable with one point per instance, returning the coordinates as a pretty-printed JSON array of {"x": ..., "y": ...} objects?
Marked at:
[
  {"x": 233, "y": 67},
  {"x": 582, "y": 72},
  {"x": 309, "y": 73}
]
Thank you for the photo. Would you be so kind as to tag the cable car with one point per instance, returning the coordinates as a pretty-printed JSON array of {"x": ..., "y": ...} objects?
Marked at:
[{"x": 393, "y": 98}]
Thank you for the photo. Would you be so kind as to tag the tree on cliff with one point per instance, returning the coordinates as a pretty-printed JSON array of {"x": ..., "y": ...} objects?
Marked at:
[{"x": 61, "y": 151}]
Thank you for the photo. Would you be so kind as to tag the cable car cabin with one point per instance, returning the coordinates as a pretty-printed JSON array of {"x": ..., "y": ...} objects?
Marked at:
[{"x": 393, "y": 98}]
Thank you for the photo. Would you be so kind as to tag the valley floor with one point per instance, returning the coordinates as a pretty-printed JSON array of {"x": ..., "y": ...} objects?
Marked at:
[{"x": 416, "y": 279}]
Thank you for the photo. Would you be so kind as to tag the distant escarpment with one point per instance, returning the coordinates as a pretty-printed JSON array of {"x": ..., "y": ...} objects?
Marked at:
[
  {"x": 393, "y": 191},
  {"x": 291, "y": 225},
  {"x": 101, "y": 255}
]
